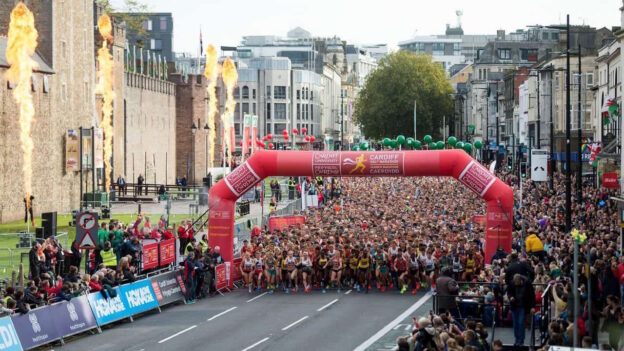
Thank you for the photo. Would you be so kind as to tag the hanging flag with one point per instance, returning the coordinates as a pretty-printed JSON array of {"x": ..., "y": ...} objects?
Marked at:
[
  {"x": 128, "y": 57},
  {"x": 141, "y": 60},
  {"x": 160, "y": 74},
  {"x": 165, "y": 68},
  {"x": 134, "y": 59},
  {"x": 201, "y": 43},
  {"x": 246, "y": 132},
  {"x": 149, "y": 63},
  {"x": 154, "y": 65},
  {"x": 254, "y": 132}
]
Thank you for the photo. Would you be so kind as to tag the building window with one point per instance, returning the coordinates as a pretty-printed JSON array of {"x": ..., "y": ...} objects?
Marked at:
[
  {"x": 456, "y": 49},
  {"x": 245, "y": 108},
  {"x": 545, "y": 36},
  {"x": 280, "y": 111},
  {"x": 280, "y": 92},
  {"x": 156, "y": 44},
  {"x": 245, "y": 92},
  {"x": 306, "y": 93},
  {"x": 86, "y": 91},
  {"x": 279, "y": 127},
  {"x": 268, "y": 91},
  {"x": 298, "y": 126},
  {"x": 479, "y": 53},
  {"x": 147, "y": 25},
  {"x": 163, "y": 23},
  {"x": 311, "y": 94},
  {"x": 237, "y": 128},
  {"x": 254, "y": 108},
  {"x": 437, "y": 49},
  {"x": 64, "y": 48},
  {"x": 298, "y": 94},
  {"x": 554, "y": 36},
  {"x": 267, "y": 130},
  {"x": 311, "y": 129},
  {"x": 268, "y": 111},
  {"x": 237, "y": 111},
  {"x": 311, "y": 114},
  {"x": 590, "y": 80},
  {"x": 253, "y": 93},
  {"x": 298, "y": 110},
  {"x": 236, "y": 93},
  {"x": 504, "y": 54}
]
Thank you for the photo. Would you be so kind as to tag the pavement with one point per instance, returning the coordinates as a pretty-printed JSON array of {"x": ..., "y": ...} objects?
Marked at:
[{"x": 243, "y": 321}]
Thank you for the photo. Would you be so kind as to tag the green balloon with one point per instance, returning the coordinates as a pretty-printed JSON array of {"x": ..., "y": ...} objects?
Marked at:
[
  {"x": 393, "y": 144},
  {"x": 410, "y": 141},
  {"x": 468, "y": 147},
  {"x": 364, "y": 145},
  {"x": 433, "y": 146},
  {"x": 428, "y": 139},
  {"x": 452, "y": 141},
  {"x": 459, "y": 145},
  {"x": 417, "y": 145},
  {"x": 386, "y": 141},
  {"x": 478, "y": 145},
  {"x": 440, "y": 145},
  {"x": 401, "y": 139}
]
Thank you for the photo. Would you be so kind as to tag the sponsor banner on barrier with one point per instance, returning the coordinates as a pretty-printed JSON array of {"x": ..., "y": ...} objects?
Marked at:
[
  {"x": 235, "y": 273},
  {"x": 8, "y": 336},
  {"x": 107, "y": 310},
  {"x": 35, "y": 328},
  {"x": 167, "y": 252},
  {"x": 283, "y": 222},
  {"x": 131, "y": 299},
  {"x": 73, "y": 317},
  {"x": 139, "y": 296},
  {"x": 221, "y": 281},
  {"x": 167, "y": 287},
  {"x": 150, "y": 256}
]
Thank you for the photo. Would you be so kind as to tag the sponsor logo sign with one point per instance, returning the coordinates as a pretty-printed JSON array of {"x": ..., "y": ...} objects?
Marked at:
[
  {"x": 35, "y": 328},
  {"x": 73, "y": 317},
  {"x": 221, "y": 281},
  {"x": 236, "y": 274},
  {"x": 372, "y": 163},
  {"x": 282, "y": 222},
  {"x": 138, "y": 296},
  {"x": 107, "y": 310},
  {"x": 477, "y": 178},
  {"x": 326, "y": 164},
  {"x": 167, "y": 288},
  {"x": 242, "y": 179},
  {"x": 150, "y": 256},
  {"x": 167, "y": 252},
  {"x": 8, "y": 336},
  {"x": 610, "y": 180}
]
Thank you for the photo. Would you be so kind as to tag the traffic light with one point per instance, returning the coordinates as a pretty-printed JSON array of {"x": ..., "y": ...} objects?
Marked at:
[
  {"x": 509, "y": 162},
  {"x": 523, "y": 169}
]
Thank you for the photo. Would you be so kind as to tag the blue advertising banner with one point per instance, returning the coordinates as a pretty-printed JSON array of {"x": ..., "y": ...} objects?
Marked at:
[
  {"x": 35, "y": 328},
  {"x": 73, "y": 317},
  {"x": 8, "y": 336},
  {"x": 107, "y": 310},
  {"x": 131, "y": 299},
  {"x": 138, "y": 296}
]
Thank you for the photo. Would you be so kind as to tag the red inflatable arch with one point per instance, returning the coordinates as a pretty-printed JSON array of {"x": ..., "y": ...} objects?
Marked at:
[{"x": 448, "y": 163}]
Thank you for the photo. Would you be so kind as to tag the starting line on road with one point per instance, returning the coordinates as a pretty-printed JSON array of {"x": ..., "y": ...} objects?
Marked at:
[
  {"x": 257, "y": 297},
  {"x": 329, "y": 304},
  {"x": 221, "y": 314},
  {"x": 392, "y": 324},
  {"x": 294, "y": 323}
]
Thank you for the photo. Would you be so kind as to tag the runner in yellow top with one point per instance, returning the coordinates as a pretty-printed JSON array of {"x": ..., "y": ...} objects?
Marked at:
[{"x": 363, "y": 271}]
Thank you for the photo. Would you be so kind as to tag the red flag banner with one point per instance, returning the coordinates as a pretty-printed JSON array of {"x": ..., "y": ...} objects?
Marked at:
[
  {"x": 282, "y": 222},
  {"x": 235, "y": 273},
  {"x": 167, "y": 252},
  {"x": 220, "y": 277},
  {"x": 150, "y": 256}
]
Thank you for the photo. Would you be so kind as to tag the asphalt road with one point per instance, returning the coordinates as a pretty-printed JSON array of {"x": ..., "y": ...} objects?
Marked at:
[{"x": 314, "y": 321}]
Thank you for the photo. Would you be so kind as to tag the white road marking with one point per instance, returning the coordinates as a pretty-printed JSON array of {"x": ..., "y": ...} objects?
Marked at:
[
  {"x": 294, "y": 323},
  {"x": 392, "y": 324},
  {"x": 329, "y": 304},
  {"x": 221, "y": 314},
  {"x": 178, "y": 333},
  {"x": 256, "y": 344},
  {"x": 257, "y": 297},
  {"x": 348, "y": 292}
]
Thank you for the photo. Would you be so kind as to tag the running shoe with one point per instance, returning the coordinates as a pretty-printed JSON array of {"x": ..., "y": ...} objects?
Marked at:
[
  {"x": 357, "y": 288},
  {"x": 413, "y": 291},
  {"x": 339, "y": 290},
  {"x": 403, "y": 290},
  {"x": 324, "y": 291},
  {"x": 418, "y": 286},
  {"x": 287, "y": 290},
  {"x": 250, "y": 288},
  {"x": 270, "y": 291},
  {"x": 378, "y": 285},
  {"x": 383, "y": 289}
]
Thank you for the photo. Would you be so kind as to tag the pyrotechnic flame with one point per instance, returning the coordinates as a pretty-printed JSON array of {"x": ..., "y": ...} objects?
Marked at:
[
  {"x": 212, "y": 73},
  {"x": 230, "y": 78},
  {"x": 21, "y": 45},
  {"x": 105, "y": 87}
]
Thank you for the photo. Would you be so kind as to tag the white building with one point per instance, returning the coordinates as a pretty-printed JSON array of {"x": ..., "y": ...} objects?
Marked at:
[{"x": 446, "y": 51}]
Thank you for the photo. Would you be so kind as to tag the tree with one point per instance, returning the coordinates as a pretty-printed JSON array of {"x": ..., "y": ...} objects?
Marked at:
[
  {"x": 385, "y": 106},
  {"x": 133, "y": 14}
]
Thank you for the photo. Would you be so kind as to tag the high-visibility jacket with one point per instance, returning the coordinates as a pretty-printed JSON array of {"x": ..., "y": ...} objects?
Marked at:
[
  {"x": 533, "y": 244},
  {"x": 109, "y": 258}
]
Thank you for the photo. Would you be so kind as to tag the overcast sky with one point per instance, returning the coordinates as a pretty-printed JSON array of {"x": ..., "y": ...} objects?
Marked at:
[{"x": 225, "y": 22}]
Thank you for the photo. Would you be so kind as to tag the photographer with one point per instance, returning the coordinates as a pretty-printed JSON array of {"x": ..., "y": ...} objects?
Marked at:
[{"x": 522, "y": 299}]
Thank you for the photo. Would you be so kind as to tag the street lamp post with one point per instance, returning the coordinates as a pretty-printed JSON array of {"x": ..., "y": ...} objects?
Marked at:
[
  {"x": 193, "y": 131},
  {"x": 341, "y": 119},
  {"x": 579, "y": 180},
  {"x": 415, "y": 110},
  {"x": 568, "y": 158}
]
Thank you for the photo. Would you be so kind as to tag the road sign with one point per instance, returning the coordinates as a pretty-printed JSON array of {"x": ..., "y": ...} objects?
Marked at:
[
  {"x": 539, "y": 165},
  {"x": 86, "y": 230}
]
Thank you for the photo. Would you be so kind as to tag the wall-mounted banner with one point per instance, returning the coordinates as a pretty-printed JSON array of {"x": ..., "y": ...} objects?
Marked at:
[
  {"x": 139, "y": 296},
  {"x": 73, "y": 317},
  {"x": 107, "y": 310}
]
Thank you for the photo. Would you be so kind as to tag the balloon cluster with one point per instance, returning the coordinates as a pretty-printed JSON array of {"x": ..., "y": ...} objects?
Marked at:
[
  {"x": 429, "y": 143},
  {"x": 579, "y": 237}
]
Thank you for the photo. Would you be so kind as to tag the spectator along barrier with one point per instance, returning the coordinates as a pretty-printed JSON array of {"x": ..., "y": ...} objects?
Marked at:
[{"x": 60, "y": 320}]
